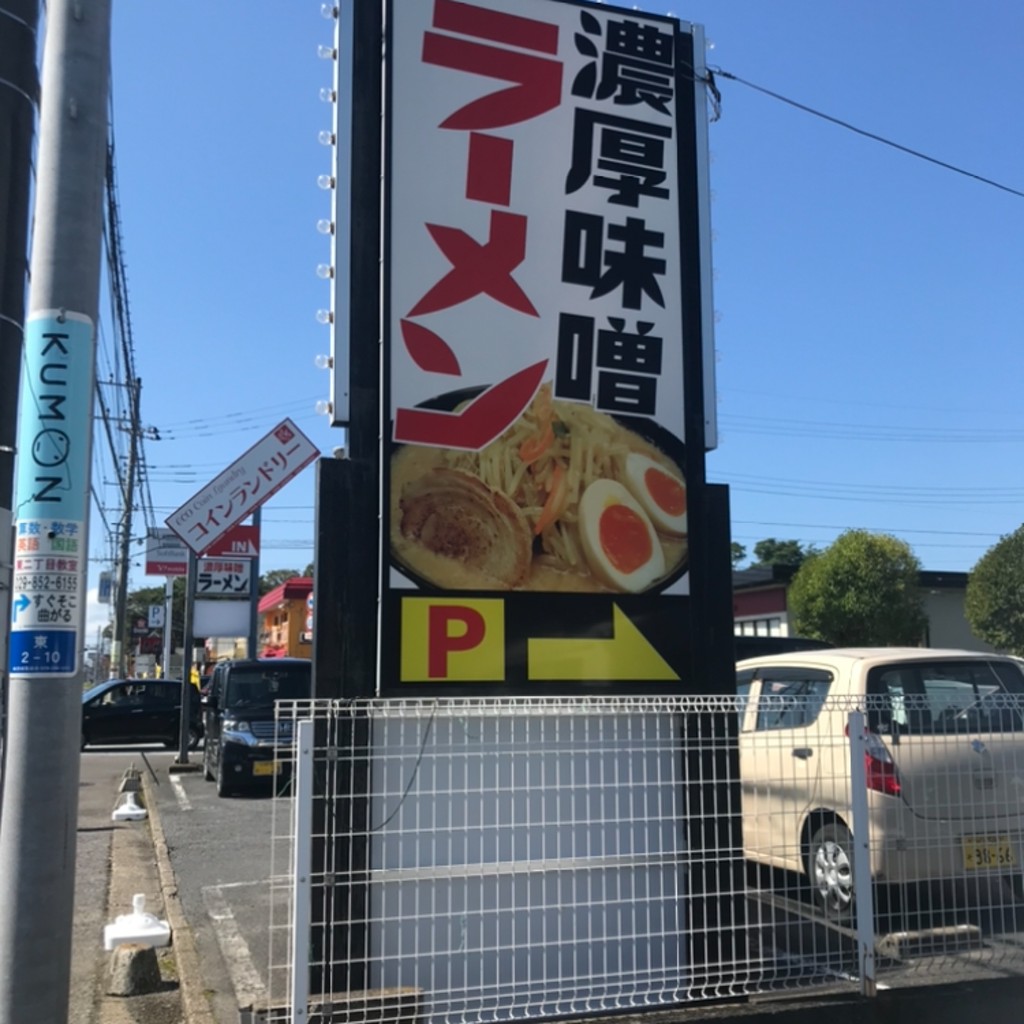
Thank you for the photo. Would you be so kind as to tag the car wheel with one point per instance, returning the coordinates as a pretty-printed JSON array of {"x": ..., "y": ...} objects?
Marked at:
[
  {"x": 207, "y": 774},
  {"x": 85, "y": 740},
  {"x": 830, "y": 870},
  {"x": 195, "y": 736},
  {"x": 223, "y": 786}
]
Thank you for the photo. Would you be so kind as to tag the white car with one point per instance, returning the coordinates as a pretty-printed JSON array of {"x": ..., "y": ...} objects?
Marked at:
[{"x": 944, "y": 766}]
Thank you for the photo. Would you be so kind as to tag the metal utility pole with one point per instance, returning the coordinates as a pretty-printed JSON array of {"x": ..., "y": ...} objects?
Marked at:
[
  {"x": 117, "y": 646},
  {"x": 38, "y": 827},
  {"x": 19, "y": 95}
]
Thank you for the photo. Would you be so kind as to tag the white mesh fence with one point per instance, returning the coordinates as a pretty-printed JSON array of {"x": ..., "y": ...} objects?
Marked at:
[{"x": 479, "y": 860}]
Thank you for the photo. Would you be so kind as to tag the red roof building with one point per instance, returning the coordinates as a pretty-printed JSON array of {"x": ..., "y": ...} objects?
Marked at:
[{"x": 286, "y": 620}]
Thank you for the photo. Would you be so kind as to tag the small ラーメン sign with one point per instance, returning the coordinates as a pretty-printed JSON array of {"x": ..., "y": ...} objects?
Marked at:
[{"x": 539, "y": 190}]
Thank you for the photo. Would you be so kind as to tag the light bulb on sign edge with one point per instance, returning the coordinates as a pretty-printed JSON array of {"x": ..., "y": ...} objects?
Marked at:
[
  {"x": 325, "y": 227},
  {"x": 323, "y": 408},
  {"x": 325, "y": 181},
  {"x": 328, "y": 95},
  {"x": 324, "y": 271},
  {"x": 324, "y": 316},
  {"x": 326, "y": 138},
  {"x": 326, "y": 52},
  {"x": 323, "y": 362},
  {"x": 329, "y": 11}
]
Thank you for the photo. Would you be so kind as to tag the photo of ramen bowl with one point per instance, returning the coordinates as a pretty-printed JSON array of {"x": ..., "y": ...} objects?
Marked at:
[{"x": 566, "y": 499}]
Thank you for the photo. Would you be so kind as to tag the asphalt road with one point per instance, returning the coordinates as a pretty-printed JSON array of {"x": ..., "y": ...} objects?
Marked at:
[{"x": 221, "y": 852}]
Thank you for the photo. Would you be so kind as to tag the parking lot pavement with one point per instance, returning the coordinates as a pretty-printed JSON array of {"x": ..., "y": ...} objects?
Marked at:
[{"x": 220, "y": 852}]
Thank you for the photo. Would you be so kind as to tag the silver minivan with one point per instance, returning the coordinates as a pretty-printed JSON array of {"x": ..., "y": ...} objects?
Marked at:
[{"x": 943, "y": 768}]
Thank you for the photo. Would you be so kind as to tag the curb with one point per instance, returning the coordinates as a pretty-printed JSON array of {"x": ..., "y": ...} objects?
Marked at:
[{"x": 194, "y": 1004}]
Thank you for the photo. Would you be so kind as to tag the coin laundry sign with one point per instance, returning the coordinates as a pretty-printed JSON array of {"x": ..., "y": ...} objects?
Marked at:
[{"x": 47, "y": 608}]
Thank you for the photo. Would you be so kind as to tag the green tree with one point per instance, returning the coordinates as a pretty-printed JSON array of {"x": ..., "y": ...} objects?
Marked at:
[
  {"x": 780, "y": 552},
  {"x": 994, "y": 603},
  {"x": 861, "y": 590},
  {"x": 275, "y": 577},
  {"x": 739, "y": 552}
]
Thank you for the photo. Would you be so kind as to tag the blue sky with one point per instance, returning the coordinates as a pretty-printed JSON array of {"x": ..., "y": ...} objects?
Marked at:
[{"x": 870, "y": 307}]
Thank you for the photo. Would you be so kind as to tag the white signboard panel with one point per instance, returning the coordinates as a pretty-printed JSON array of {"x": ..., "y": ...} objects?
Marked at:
[
  {"x": 220, "y": 618},
  {"x": 243, "y": 487},
  {"x": 223, "y": 577},
  {"x": 48, "y": 559},
  {"x": 166, "y": 554}
]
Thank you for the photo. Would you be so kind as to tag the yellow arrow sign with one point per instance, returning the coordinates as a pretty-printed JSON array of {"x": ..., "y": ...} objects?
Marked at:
[{"x": 627, "y": 655}]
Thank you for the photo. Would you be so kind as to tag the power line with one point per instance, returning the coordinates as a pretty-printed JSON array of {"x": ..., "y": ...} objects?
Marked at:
[{"x": 859, "y": 131}]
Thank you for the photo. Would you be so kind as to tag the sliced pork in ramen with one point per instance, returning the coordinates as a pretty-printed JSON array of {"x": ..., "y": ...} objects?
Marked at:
[{"x": 455, "y": 515}]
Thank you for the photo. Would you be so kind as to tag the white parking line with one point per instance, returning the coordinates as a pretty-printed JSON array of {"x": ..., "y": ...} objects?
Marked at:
[
  {"x": 249, "y": 987},
  {"x": 179, "y": 791}
]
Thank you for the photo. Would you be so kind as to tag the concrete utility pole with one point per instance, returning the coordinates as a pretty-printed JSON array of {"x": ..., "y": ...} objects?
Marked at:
[
  {"x": 118, "y": 668},
  {"x": 19, "y": 94},
  {"x": 37, "y": 830}
]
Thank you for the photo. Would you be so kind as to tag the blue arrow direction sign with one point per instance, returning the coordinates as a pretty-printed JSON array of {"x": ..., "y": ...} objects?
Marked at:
[{"x": 22, "y": 604}]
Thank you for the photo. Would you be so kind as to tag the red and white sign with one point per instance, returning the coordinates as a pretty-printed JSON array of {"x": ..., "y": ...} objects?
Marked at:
[
  {"x": 241, "y": 541},
  {"x": 534, "y": 195},
  {"x": 243, "y": 487},
  {"x": 166, "y": 555}
]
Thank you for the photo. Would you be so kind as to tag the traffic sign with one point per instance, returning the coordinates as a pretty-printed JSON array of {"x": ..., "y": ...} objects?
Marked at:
[{"x": 243, "y": 487}]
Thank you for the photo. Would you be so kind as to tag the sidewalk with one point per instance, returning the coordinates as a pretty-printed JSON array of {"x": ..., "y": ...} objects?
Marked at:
[{"x": 107, "y": 877}]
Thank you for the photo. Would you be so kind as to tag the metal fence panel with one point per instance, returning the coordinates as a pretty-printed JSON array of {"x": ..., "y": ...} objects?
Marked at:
[{"x": 529, "y": 859}]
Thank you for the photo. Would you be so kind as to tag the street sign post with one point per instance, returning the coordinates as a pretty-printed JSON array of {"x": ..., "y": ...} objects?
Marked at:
[{"x": 209, "y": 521}]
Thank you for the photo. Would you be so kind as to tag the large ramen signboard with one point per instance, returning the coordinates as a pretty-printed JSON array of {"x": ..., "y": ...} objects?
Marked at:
[{"x": 537, "y": 473}]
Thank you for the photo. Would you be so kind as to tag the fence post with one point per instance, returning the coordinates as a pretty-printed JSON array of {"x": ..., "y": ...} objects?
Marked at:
[
  {"x": 301, "y": 881},
  {"x": 865, "y": 903}
]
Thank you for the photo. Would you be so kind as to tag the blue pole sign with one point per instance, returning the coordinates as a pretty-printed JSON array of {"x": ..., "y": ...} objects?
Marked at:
[{"x": 51, "y": 495}]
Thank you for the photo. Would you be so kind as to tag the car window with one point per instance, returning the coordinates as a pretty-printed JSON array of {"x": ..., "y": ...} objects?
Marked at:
[
  {"x": 217, "y": 684},
  {"x": 251, "y": 686},
  {"x": 116, "y": 695},
  {"x": 164, "y": 694},
  {"x": 791, "y": 698},
  {"x": 935, "y": 698},
  {"x": 744, "y": 679}
]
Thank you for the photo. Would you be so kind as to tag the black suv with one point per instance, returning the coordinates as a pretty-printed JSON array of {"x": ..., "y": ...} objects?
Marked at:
[
  {"x": 138, "y": 711},
  {"x": 238, "y": 712}
]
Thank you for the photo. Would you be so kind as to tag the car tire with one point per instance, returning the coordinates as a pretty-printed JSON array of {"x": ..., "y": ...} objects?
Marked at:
[
  {"x": 207, "y": 774},
  {"x": 195, "y": 737},
  {"x": 223, "y": 786},
  {"x": 85, "y": 740},
  {"x": 830, "y": 871}
]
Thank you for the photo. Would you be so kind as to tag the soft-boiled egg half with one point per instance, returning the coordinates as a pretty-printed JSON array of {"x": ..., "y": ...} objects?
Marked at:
[
  {"x": 620, "y": 544},
  {"x": 662, "y": 493}
]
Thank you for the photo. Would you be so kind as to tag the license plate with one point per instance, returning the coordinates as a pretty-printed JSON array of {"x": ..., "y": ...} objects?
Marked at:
[
  {"x": 982, "y": 852},
  {"x": 266, "y": 767}
]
